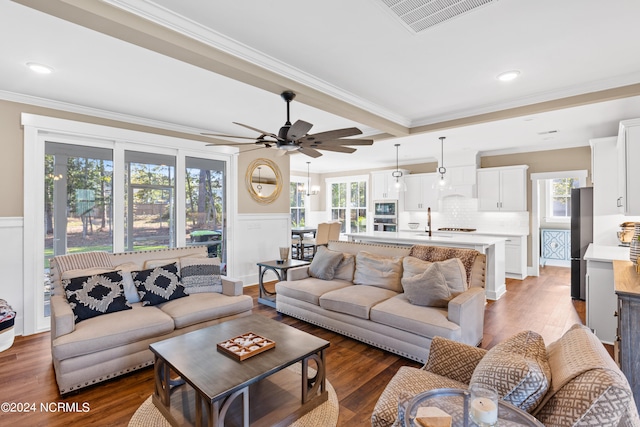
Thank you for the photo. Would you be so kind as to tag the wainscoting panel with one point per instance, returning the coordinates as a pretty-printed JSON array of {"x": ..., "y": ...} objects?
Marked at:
[
  {"x": 257, "y": 237},
  {"x": 12, "y": 283}
]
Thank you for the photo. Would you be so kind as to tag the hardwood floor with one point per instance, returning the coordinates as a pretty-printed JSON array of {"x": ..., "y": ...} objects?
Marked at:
[{"x": 357, "y": 371}]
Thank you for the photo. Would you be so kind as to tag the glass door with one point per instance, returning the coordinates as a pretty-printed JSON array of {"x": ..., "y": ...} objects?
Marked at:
[{"x": 78, "y": 203}]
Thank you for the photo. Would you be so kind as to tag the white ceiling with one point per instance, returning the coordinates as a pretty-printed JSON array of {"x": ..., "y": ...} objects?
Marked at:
[{"x": 356, "y": 52}]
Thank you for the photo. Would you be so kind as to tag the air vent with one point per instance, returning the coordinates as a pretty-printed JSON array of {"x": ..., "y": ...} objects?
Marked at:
[
  {"x": 547, "y": 132},
  {"x": 419, "y": 15}
]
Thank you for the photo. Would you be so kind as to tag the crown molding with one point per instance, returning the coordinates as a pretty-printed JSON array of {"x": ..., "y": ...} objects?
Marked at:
[{"x": 192, "y": 29}]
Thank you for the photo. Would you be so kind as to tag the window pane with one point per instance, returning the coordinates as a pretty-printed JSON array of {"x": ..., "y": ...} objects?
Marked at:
[
  {"x": 205, "y": 205},
  {"x": 150, "y": 198}
]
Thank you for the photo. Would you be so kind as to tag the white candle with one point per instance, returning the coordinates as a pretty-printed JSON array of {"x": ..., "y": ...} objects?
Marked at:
[{"x": 484, "y": 410}]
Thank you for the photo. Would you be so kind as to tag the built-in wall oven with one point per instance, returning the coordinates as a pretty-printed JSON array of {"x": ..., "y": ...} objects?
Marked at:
[{"x": 385, "y": 215}]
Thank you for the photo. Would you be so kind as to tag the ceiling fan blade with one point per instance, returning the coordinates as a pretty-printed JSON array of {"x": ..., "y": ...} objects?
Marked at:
[
  {"x": 299, "y": 129},
  {"x": 310, "y": 152},
  {"x": 234, "y": 144},
  {"x": 333, "y": 134},
  {"x": 337, "y": 148},
  {"x": 346, "y": 141},
  {"x": 261, "y": 132}
]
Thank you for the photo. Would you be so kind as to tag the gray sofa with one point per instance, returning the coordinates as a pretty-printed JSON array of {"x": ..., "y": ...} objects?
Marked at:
[
  {"x": 112, "y": 344},
  {"x": 381, "y": 317}
]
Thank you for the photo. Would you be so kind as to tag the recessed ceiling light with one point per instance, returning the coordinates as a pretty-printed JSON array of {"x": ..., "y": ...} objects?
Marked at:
[
  {"x": 508, "y": 75},
  {"x": 39, "y": 68}
]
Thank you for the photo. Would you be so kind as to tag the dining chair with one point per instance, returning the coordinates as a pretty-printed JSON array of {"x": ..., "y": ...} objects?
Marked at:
[
  {"x": 311, "y": 243},
  {"x": 334, "y": 230}
]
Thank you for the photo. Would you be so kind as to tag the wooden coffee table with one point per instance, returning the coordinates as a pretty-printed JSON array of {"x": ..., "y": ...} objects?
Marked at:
[{"x": 209, "y": 382}]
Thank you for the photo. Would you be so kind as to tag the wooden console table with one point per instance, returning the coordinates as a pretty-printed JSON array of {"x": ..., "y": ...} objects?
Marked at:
[{"x": 627, "y": 287}]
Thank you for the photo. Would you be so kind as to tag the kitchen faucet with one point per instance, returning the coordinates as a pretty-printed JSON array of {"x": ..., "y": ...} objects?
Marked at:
[{"x": 428, "y": 221}]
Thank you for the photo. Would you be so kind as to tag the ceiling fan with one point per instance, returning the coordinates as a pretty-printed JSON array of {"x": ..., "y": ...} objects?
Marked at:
[{"x": 295, "y": 138}]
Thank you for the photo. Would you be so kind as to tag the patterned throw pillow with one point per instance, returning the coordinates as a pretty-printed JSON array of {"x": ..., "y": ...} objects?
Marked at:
[
  {"x": 91, "y": 296},
  {"x": 158, "y": 285},
  {"x": 518, "y": 369},
  {"x": 200, "y": 275}
]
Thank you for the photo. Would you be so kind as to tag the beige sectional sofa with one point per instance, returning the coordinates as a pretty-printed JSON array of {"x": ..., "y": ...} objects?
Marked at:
[
  {"x": 570, "y": 382},
  {"x": 382, "y": 316},
  {"x": 107, "y": 345}
]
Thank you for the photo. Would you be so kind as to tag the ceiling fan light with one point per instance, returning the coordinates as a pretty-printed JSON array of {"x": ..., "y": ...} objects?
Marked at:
[{"x": 507, "y": 76}]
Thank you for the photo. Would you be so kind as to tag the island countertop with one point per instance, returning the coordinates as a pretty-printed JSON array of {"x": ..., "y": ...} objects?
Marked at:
[{"x": 437, "y": 239}]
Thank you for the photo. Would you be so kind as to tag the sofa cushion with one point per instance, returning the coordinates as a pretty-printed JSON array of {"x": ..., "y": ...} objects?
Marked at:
[
  {"x": 378, "y": 270},
  {"x": 324, "y": 263},
  {"x": 518, "y": 369},
  {"x": 346, "y": 268},
  {"x": 112, "y": 330},
  {"x": 355, "y": 300},
  {"x": 452, "y": 269},
  {"x": 427, "y": 322},
  {"x": 153, "y": 263},
  {"x": 205, "y": 306},
  {"x": 158, "y": 285},
  {"x": 91, "y": 296},
  {"x": 408, "y": 381},
  {"x": 310, "y": 289},
  {"x": 427, "y": 289},
  {"x": 198, "y": 274}
]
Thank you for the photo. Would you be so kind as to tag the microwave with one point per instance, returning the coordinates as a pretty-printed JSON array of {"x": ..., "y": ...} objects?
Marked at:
[{"x": 385, "y": 208}]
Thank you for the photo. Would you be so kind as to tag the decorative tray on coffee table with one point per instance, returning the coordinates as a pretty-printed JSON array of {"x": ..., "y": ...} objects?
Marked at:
[{"x": 245, "y": 345}]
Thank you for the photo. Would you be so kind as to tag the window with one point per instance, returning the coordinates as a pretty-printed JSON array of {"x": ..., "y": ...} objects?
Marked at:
[
  {"x": 348, "y": 200},
  {"x": 297, "y": 201},
  {"x": 559, "y": 198},
  {"x": 93, "y": 187}
]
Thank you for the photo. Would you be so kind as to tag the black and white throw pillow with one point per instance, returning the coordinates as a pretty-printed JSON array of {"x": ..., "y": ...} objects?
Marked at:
[
  {"x": 91, "y": 296},
  {"x": 158, "y": 285}
]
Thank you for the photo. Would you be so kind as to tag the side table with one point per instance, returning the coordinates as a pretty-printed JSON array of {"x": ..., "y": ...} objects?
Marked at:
[
  {"x": 455, "y": 402},
  {"x": 280, "y": 269}
]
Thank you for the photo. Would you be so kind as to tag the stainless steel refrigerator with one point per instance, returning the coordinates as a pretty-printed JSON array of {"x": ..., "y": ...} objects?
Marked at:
[{"x": 581, "y": 237}]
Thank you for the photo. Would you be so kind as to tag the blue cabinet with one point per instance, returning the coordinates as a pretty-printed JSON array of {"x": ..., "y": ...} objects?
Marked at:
[{"x": 556, "y": 245}]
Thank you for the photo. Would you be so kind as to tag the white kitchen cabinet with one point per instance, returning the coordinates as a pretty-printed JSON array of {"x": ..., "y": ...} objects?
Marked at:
[
  {"x": 502, "y": 189},
  {"x": 382, "y": 186},
  {"x": 601, "y": 300},
  {"x": 515, "y": 262},
  {"x": 420, "y": 193},
  {"x": 628, "y": 148}
]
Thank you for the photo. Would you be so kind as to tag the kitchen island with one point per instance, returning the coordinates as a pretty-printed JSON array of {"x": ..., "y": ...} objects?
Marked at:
[{"x": 491, "y": 246}]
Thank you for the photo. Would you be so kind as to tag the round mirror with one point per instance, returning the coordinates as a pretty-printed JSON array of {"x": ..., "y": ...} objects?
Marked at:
[{"x": 263, "y": 180}]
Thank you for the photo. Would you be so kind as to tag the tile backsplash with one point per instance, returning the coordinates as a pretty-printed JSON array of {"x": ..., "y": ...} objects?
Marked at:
[{"x": 462, "y": 212}]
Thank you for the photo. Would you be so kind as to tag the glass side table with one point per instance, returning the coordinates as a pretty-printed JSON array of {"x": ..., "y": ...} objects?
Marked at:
[{"x": 455, "y": 402}]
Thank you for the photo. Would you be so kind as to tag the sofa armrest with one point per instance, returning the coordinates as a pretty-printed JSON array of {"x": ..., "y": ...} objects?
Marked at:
[
  {"x": 467, "y": 311},
  {"x": 453, "y": 359},
  {"x": 62, "y": 317},
  {"x": 231, "y": 287},
  {"x": 298, "y": 273}
]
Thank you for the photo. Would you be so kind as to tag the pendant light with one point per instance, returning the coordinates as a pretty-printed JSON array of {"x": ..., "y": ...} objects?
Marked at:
[
  {"x": 310, "y": 191},
  {"x": 443, "y": 182},
  {"x": 399, "y": 184},
  {"x": 259, "y": 186}
]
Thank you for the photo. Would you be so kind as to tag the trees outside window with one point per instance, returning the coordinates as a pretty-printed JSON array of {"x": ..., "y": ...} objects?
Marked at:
[
  {"x": 348, "y": 201},
  {"x": 297, "y": 199},
  {"x": 559, "y": 198}
]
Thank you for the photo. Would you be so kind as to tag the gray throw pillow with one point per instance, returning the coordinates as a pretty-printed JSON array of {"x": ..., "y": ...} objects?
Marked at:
[
  {"x": 324, "y": 263},
  {"x": 428, "y": 289},
  {"x": 452, "y": 269},
  {"x": 378, "y": 270}
]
